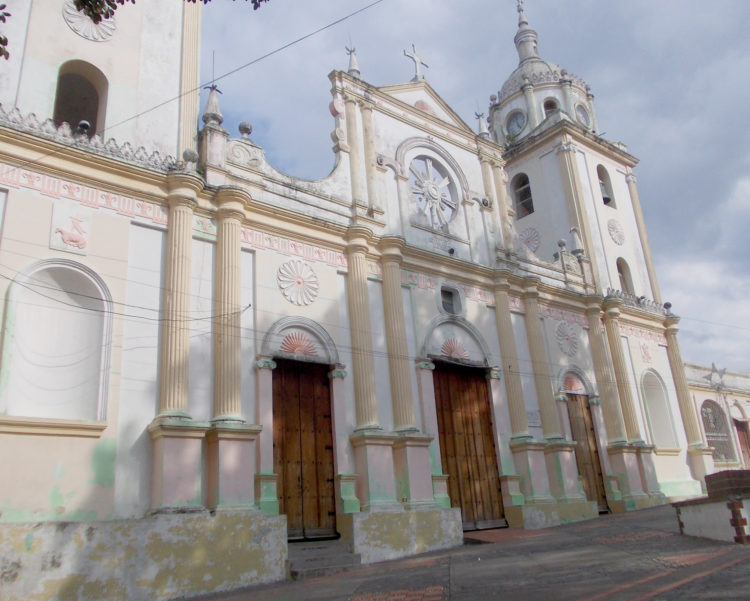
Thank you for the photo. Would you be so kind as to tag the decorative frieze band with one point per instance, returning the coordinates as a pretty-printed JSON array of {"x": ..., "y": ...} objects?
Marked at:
[
  {"x": 562, "y": 315},
  {"x": 635, "y": 332}
]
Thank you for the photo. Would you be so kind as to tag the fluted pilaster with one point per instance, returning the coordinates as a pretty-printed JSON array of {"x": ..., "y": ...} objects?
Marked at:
[
  {"x": 189, "y": 78},
  {"x": 503, "y": 204},
  {"x": 365, "y": 401},
  {"x": 612, "y": 326},
  {"x": 368, "y": 139},
  {"x": 643, "y": 235},
  {"x": 175, "y": 334},
  {"x": 540, "y": 362},
  {"x": 516, "y": 407},
  {"x": 395, "y": 335},
  {"x": 605, "y": 377},
  {"x": 689, "y": 418},
  {"x": 227, "y": 304},
  {"x": 355, "y": 157}
]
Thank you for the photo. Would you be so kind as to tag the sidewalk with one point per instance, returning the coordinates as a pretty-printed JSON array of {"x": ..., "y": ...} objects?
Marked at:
[{"x": 635, "y": 556}]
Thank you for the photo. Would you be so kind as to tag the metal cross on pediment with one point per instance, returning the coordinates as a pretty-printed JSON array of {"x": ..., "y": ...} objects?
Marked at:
[{"x": 418, "y": 62}]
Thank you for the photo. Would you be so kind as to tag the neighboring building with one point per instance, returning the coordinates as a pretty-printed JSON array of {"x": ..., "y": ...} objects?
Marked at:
[
  {"x": 722, "y": 399},
  {"x": 204, "y": 357}
]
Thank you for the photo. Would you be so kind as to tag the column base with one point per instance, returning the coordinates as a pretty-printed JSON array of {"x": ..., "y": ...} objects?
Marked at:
[
  {"x": 373, "y": 462},
  {"x": 177, "y": 460},
  {"x": 411, "y": 462},
  {"x": 531, "y": 467},
  {"x": 565, "y": 485},
  {"x": 440, "y": 490},
  {"x": 231, "y": 459},
  {"x": 701, "y": 462},
  {"x": 543, "y": 515},
  {"x": 347, "y": 493},
  {"x": 265, "y": 493}
]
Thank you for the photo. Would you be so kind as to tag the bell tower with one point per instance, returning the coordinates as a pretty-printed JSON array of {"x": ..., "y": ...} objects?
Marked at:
[{"x": 133, "y": 77}]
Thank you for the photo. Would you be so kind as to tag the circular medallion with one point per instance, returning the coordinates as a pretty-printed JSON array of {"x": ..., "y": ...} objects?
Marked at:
[
  {"x": 515, "y": 123},
  {"x": 567, "y": 338},
  {"x": 433, "y": 190},
  {"x": 616, "y": 232},
  {"x": 583, "y": 115},
  {"x": 297, "y": 282},
  {"x": 531, "y": 238},
  {"x": 84, "y": 26}
]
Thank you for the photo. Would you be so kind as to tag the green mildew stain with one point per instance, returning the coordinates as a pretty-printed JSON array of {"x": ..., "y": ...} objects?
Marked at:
[
  {"x": 29, "y": 539},
  {"x": 103, "y": 463}
]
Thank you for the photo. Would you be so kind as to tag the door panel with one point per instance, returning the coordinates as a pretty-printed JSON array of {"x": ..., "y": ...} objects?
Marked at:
[
  {"x": 303, "y": 448},
  {"x": 467, "y": 445},
  {"x": 587, "y": 454}
]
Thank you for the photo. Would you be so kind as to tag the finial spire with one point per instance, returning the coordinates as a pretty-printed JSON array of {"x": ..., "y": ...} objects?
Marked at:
[
  {"x": 353, "y": 66},
  {"x": 418, "y": 62},
  {"x": 212, "y": 112},
  {"x": 526, "y": 39}
]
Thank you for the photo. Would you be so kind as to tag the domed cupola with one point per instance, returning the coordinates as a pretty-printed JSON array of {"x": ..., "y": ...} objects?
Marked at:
[{"x": 538, "y": 93}]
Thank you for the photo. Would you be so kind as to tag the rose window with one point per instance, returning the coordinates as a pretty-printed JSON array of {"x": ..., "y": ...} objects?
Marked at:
[{"x": 433, "y": 191}]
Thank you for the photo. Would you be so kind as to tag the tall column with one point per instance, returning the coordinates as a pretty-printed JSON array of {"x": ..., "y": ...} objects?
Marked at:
[
  {"x": 700, "y": 457},
  {"x": 227, "y": 304},
  {"x": 265, "y": 478},
  {"x": 605, "y": 377},
  {"x": 175, "y": 334},
  {"x": 395, "y": 335},
  {"x": 189, "y": 77},
  {"x": 516, "y": 407},
  {"x": 231, "y": 454},
  {"x": 371, "y": 175},
  {"x": 355, "y": 157},
  {"x": 532, "y": 110},
  {"x": 643, "y": 235},
  {"x": 504, "y": 205},
  {"x": 612, "y": 326},
  {"x": 177, "y": 440},
  {"x": 365, "y": 401},
  {"x": 539, "y": 361},
  {"x": 566, "y": 156}
]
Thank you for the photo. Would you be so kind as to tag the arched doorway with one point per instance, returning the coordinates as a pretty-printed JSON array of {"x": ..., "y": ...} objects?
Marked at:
[
  {"x": 584, "y": 434},
  {"x": 467, "y": 444},
  {"x": 303, "y": 448}
]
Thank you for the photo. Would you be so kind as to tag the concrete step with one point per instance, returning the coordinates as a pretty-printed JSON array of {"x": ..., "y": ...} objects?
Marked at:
[{"x": 320, "y": 558}]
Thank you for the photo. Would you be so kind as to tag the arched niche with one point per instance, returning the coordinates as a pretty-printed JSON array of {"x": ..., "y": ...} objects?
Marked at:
[
  {"x": 572, "y": 379},
  {"x": 56, "y": 343},
  {"x": 81, "y": 95},
  {"x": 452, "y": 338},
  {"x": 658, "y": 413},
  {"x": 301, "y": 339}
]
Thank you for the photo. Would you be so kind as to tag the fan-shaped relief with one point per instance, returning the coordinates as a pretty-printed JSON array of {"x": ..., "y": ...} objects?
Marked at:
[
  {"x": 531, "y": 238},
  {"x": 567, "y": 338},
  {"x": 453, "y": 338},
  {"x": 454, "y": 349},
  {"x": 298, "y": 343},
  {"x": 298, "y": 282},
  {"x": 433, "y": 192},
  {"x": 84, "y": 26},
  {"x": 616, "y": 231}
]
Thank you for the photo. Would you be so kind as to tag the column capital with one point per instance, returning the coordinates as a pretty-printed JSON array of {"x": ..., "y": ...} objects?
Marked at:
[
  {"x": 566, "y": 147},
  {"x": 337, "y": 372},
  {"x": 502, "y": 280},
  {"x": 425, "y": 364},
  {"x": 183, "y": 187},
  {"x": 612, "y": 306},
  {"x": 264, "y": 363},
  {"x": 358, "y": 238},
  {"x": 593, "y": 303},
  {"x": 495, "y": 373},
  {"x": 670, "y": 323},
  {"x": 232, "y": 199},
  {"x": 631, "y": 178},
  {"x": 391, "y": 248},
  {"x": 531, "y": 287}
]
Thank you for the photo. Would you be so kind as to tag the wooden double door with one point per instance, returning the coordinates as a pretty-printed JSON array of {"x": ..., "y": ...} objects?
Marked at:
[
  {"x": 303, "y": 448},
  {"x": 467, "y": 445},
  {"x": 587, "y": 454}
]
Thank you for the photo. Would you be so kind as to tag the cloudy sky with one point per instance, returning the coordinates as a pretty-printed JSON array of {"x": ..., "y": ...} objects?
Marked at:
[{"x": 671, "y": 80}]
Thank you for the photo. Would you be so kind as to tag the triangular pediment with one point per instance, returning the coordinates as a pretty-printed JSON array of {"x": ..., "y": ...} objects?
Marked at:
[{"x": 421, "y": 95}]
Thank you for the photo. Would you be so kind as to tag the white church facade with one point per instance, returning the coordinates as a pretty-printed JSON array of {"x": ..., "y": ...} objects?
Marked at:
[{"x": 204, "y": 358}]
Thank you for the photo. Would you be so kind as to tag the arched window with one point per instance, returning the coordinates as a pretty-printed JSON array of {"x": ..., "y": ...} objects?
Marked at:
[
  {"x": 659, "y": 416},
  {"x": 717, "y": 431},
  {"x": 605, "y": 186},
  {"x": 81, "y": 96},
  {"x": 522, "y": 200},
  {"x": 55, "y": 352},
  {"x": 550, "y": 106},
  {"x": 626, "y": 280}
]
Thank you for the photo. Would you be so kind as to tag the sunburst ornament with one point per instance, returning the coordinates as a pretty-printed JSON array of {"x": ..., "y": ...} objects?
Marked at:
[
  {"x": 298, "y": 282},
  {"x": 454, "y": 349},
  {"x": 298, "y": 343},
  {"x": 616, "y": 232},
  {"x": 84, "y": 26},
  {"x": 531, "y": 238},
  {"x": 432, "y": 190}
]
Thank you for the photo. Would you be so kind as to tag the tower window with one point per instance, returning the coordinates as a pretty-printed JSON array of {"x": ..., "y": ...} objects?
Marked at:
[
  {"x": 450, "y": 300},
  {"x": 605, "y": 186},
  {"x": 81, "y": 96},
  {"x": 550, "y": 106},
  {"x": 626, "y": 280},
  {"x": 522, "y": 200}
]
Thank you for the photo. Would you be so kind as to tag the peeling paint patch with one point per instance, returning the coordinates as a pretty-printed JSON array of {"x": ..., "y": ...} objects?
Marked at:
[{"x": 103, "y": 463}]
